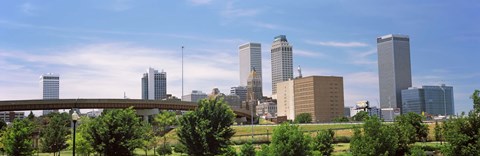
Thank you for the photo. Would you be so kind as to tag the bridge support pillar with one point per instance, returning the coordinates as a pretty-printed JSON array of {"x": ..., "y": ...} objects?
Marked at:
[{"x": 147, "y": 114}]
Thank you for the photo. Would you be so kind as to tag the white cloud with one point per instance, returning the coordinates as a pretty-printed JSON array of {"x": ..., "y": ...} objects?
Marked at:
[
  {"x": 200, "y": 2},
  {"x": 337, "y": 44},
  {"x": 231, "y": 11},
  {"x": 109, "y": 69},
  {"x": 307, "y": 53},
  {"x": 363, "y": 58},
  {"x": 27, "y": 8}
]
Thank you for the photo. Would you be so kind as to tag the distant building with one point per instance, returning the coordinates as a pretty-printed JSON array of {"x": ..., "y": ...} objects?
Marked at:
[
  {"x": 232, "y": 100},
  {"x": 346, "y": 112},
  {"x": 50, "y": 84},
  {"x": 282, "y": 61},
  {"x": 10, "y": 116},
  {"x": 373, "y": 111},
  {"x": 195, "y": 96},
  {"x": 286, "y": 100},
  {"x": 241, "y": 91},
  {"x": 321, "y": 96},
  {"x": 429, "y": 100},
  {"x": 154, "y": 85},
  {"x": 267, "y": 109},
  {"x": 394, "y": 70},
  {"x": 250, "y": 55},
  {"x": 254, "y": 86}
]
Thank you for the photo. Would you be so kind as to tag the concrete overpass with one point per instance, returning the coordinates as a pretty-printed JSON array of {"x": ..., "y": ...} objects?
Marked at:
[{"x": 24, "y": 105}]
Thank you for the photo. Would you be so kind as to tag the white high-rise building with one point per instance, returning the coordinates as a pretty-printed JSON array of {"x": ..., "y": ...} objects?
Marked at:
[
  {"x": 250, "y": 55},
  {"x": 50, "y": 85},
  {"x": 282, "y": 61},
  {"x": 154, "y": 85}
]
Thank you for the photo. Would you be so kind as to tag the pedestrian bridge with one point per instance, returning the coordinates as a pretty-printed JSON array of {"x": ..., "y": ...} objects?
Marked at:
[{"x": 25, "y": 105}]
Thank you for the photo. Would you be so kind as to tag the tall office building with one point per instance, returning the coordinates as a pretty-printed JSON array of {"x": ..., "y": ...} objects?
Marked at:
[
  {"x": 320, "y": 96},
  {"x": 282, "y": 61},
  {"x": 254, "y": 86},
  {"x": 50, "y": 84},
  {"x": 154, "y": 85},
  {"x": 241, "y": 91},
  {"x": 394, "y": 71},
  {"x": 250, "y": 55},
  {"x": 431, "y": 100}
]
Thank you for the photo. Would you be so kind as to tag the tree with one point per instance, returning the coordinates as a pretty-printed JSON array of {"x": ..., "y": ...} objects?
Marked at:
[
  {"x": 462, "y": 133},
  {"x": 360, "y": 116},
  {"x": 288, "y": 140},
  {"x": 163, "y": 120},
  {"x": 415, "y": 120},
  {"x": 247, "y": 150},
  {"x": 265, "y": 150},
  {"x": 341, "y": 119},
  {"x": 438, "y": 132},
  {"x": 323, "y": 142},
  {"x": 82, "y": 144},
  {"x": 303, "y": 118},
  {"x": 3, "y": 125},
  {"x": 375, "y": 139},
  {"x": 116, "y": 132},
  {"x": 17, "y": 138},
  {"x": 149, "y": 140},
  {"x": 54, "y": 135},
  {"x": 206, "y": 130}
]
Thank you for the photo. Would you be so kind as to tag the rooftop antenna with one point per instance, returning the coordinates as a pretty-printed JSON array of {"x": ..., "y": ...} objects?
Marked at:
[
  {"x": 299, "y": 72},
  {"x": 124, "y": 95}
]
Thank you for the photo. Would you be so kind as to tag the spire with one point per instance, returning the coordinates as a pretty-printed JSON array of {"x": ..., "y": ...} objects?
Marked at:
[{"x": 299, "y": 72}]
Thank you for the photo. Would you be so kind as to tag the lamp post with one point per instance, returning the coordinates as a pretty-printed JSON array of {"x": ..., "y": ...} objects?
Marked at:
[{"x": 75, "y": 117}]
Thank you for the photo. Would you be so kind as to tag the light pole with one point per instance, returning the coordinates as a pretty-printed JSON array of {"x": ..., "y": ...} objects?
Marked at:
[
  {"x": 444, "y": 100},
  {"x": 75, "y": 117}
]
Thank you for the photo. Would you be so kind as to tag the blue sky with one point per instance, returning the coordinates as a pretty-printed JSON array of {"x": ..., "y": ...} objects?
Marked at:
[{"x": 101, "y": 48}]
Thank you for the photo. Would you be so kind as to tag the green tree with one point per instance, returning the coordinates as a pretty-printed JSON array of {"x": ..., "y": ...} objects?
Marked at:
[
  {"x": 149, "y": 139},
  {"x": 163, "y": 120},
  {"x": 303, "y": 118},
  {"x": 376, "y": 139},
  {"x": 164, "y": 150},
  {"x": 247, "y": 150},
  {"x": 341, "y": 119},
  {"x": 116, "y": 132},
  {"x": 323, "y": 142},
  {"x": 17, "y": 138},
  {"x": 360, "y": 116},
  {"x": 288, "y": 140},
  {"x": 206, "y": 130},
  {"x": 54, "y": 135},
  {"x": 264, "y": 151},
  {"x": 82, "y": 144},
  {"x": 3, "y": 125},
  {"x": 438, "y": 132},
  {"x": 229, "y": 151},
  {"x": 415, "y": 120},
  {"x": 476, "y": 100}
]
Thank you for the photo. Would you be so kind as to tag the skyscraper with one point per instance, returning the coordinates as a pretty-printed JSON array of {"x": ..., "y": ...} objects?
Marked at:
[
  {"x": 195, "y": 96},
  {"x": 50, "y": 84},
  {"x": 282, "y": 61},
  {"x": 431, "y": 100},
  {"x": 250, "y": 55},
  {"x": 154, "y": 85},
  {"x": 254, "y": 86},
  {"x": 394, "y": 71}
]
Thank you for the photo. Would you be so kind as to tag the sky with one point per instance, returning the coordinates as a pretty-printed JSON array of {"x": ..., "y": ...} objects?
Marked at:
[{"x": 102, "y": 48}]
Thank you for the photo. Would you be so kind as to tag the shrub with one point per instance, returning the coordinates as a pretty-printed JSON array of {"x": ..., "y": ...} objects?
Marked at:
[
  {"x": 303, "y": 118},
  {"x": 247, "y": 150},
  {"x": 163, "y": 150}
]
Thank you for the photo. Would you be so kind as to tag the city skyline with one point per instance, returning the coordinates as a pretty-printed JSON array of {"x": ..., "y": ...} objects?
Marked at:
[{"x": 102, "y": 55}]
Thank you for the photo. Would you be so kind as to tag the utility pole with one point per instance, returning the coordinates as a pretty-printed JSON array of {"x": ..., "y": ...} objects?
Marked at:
[{"x": 182, "y": 72}]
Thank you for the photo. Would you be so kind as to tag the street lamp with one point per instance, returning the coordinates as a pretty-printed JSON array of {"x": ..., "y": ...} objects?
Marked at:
[{"x": 75, "y": 118}]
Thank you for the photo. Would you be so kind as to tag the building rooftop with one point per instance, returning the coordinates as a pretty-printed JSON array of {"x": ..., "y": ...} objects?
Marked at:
[
  {"x": 393, "y": 35},
  {"x": 280, "y": 38}
]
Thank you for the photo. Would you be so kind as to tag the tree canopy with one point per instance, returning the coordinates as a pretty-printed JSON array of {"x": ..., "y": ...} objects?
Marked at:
[
  {"x": 303, "y": 118},
  {"x": 288, "y": 140},
  {"x": 54, "y": 135},
  {"x": 206, "y": 130},
  {"x": 360, "y": 116},
  {"x": 116, "y": 132},
  {"x": 17, "y": 138}
]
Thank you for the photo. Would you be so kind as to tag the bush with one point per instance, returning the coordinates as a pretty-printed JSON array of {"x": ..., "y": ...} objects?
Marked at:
[
  {"x": 247, "y": 150},
  {"x": 323, "y": 142},
  {"x": 229, "y": 151},
  {"x": 375, "y": 139},
  {"x": 179, "y": 148},
  {"x": 163, "y": 150},
  {"x": 417, "y": 151},
  {"x": 264, "y": 151},
  {"x": 303, "y": 118},
  {"x": 342, "y": 139},
  {"x": 288, "y": 140}
]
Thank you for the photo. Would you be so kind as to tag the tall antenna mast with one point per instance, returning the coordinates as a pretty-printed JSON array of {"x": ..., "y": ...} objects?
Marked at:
[{"x": 182, "y": 71}]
